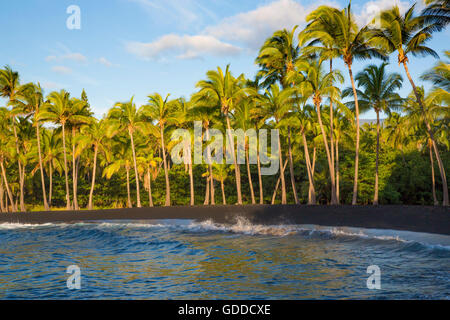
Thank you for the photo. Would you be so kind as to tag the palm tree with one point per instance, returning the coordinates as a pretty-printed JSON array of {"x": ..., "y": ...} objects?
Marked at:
[
  {"x": 439, "y": 75},
  {"x": 51, "y": 146},
  {"x": 222, "y": 89},
  {"x": 408, "y": 34},
  {"x": 80, "y": 115},
  {"x": 10, "y": 88},
  {"x": 275, "y": 103},
  {"x": 128, "y": 118},
  {"x": 57, "y": 110},
  {"x": 121, "y": 159},
  {"x": 338, "y": 27},
  {"x": 220, "y": 173},
  {"x": 162, "y": 111},
  {"x": 30, "y": 101},
  {"x": 317, "y": 84},
  {"x": 378, "y": 94},
  {"x": 277, "y": 57},
  {"x": 6, "y": 152},
  {"x": 96, "y": 135}
]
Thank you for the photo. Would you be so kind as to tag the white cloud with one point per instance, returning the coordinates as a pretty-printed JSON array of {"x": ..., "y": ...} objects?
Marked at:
[
  {"x": 371, "y": 9},
  {"x": 73, "y": 56},
  {"x": 230, "y": 35},
  {"x": 105, "y": 62},
  {"x": 61, "y": 69},
  {"x": 253, "y": 27},
  {"x": 185, "y": 47}
]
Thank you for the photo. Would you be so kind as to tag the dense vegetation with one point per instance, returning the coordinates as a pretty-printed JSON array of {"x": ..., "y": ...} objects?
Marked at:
[{"x": 55, "y": 154}]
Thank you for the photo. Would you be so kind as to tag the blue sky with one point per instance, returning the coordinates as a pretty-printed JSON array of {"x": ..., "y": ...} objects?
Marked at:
[{"x": 138, "y": 47}]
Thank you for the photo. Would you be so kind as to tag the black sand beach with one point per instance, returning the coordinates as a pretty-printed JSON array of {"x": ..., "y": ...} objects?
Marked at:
[{"x": 407, "y": 218}]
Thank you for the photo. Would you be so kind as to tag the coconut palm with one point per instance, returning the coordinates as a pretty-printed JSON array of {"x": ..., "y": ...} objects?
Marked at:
[
  {"x": 58, "y": 111},
  {"x": 6, "y": 154},
  {"x": 378, "y": 94},
  {"x": 437, "y": 11},
  {"x": 80, "y": 115},
  {"x": 96, "y": 135},
  {"x": 220, "y": 173},
  {"x": 439, "y": 75},
  {"x": 408, "y": 34},
  {"x": 277, "y": 57},
  {"x": 162, "y": 110},
  {"x": 224, "y": 90},
  {"x": 29, "y": 101},
  {"x": 275, "y": 103},
  {"x": 122, "y": 158},
  {"x": 338, "y": 27},
  {"x": 10, "y": 88},
  {"x": 317, "y": 84},
  {"x": 130, "y": 119},
  {"x": 51, "y": 147}
]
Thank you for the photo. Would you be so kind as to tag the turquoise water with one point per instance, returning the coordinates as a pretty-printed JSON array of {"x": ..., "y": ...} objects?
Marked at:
[{"x": 183, "y": 259}]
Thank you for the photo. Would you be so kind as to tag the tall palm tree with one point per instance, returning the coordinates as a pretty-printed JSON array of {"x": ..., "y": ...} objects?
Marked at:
[
  {"x": 51, "y": 146},
  {"x": 408, "y": 34},
  {"x": 80, "y": 115},
  {"x": 277, "y": 57},
  {"x": 30, "y": 101},
  {"x": 222, "y": 89},
  {"x": 439, "y": 75},
  {"x": 275, "y": 103},
  {"x": 6, "y": 153},
  {"x": 121, "y": 158},
  {"x": 96, "y": 135},
  {"x": 220, "y": 173},
  {"x": 338, "y": 27},
  {"x": 317, "y": 85},
  {"x": 130, "y": 119},
  {"x": 378, "y": 94},
  {"x": 58, "y": 110},
  {"x": 10, "y": 88},
  {"x": 161, "y": 110}
]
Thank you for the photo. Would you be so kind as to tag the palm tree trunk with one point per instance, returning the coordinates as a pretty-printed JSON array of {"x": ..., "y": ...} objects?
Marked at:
[
  {"x": 191, "y": 183},
  {"x": 337, "y": 172},
  {"x": 375, "y": 198},
  {"x": 261, "y": 192},
  {"x": 166, "y": 173},
  {"x": 252, "y": 193},
  {"x": 224, "y": 198},
  {"x": 331, "y": 127},
  {"x": 313, "y": 168},
  {"x": 236, "y": 166},
  {"x": 44, "y": 193},
  {"x": 211, "y": 180},
  {"x": 191, "y": 178},
  {"x": 327, "y": 149},
  {"x": 130, "y": 205},
  {"x": 430, "y": 133},
  {"x": 138, "y": 193},
  {"x": 2, "y": 208},
  {"x": 435, "y": 201},
  {"x": 355, "y": 95},
  {"x": 283, "y": 182},
  {"x": 91, "y": 193},
  {"x": 74, "y": 173},
  {"x": 311, "y": 192},
  {"x": 277, "y": 185},
  {"x": 68, "y": 206},
  {"x": 8, "y": 190},
  {"x": 21, "y": 178},
  {"x": 149, "y": 177},
  {"x": 206, "y": 202},
  {"x": 51, "y": 185},
  {"x": 291, "y": 168}
]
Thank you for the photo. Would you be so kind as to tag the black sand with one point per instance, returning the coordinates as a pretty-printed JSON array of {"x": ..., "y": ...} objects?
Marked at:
[{"x": 409, "y": 218}]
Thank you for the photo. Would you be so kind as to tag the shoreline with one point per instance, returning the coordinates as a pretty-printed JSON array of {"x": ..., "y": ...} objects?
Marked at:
[{"x": 428, "y": 219}]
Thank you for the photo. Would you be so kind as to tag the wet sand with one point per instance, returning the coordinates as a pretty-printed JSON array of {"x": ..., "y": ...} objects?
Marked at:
[{"x": 408, "y": 218}]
